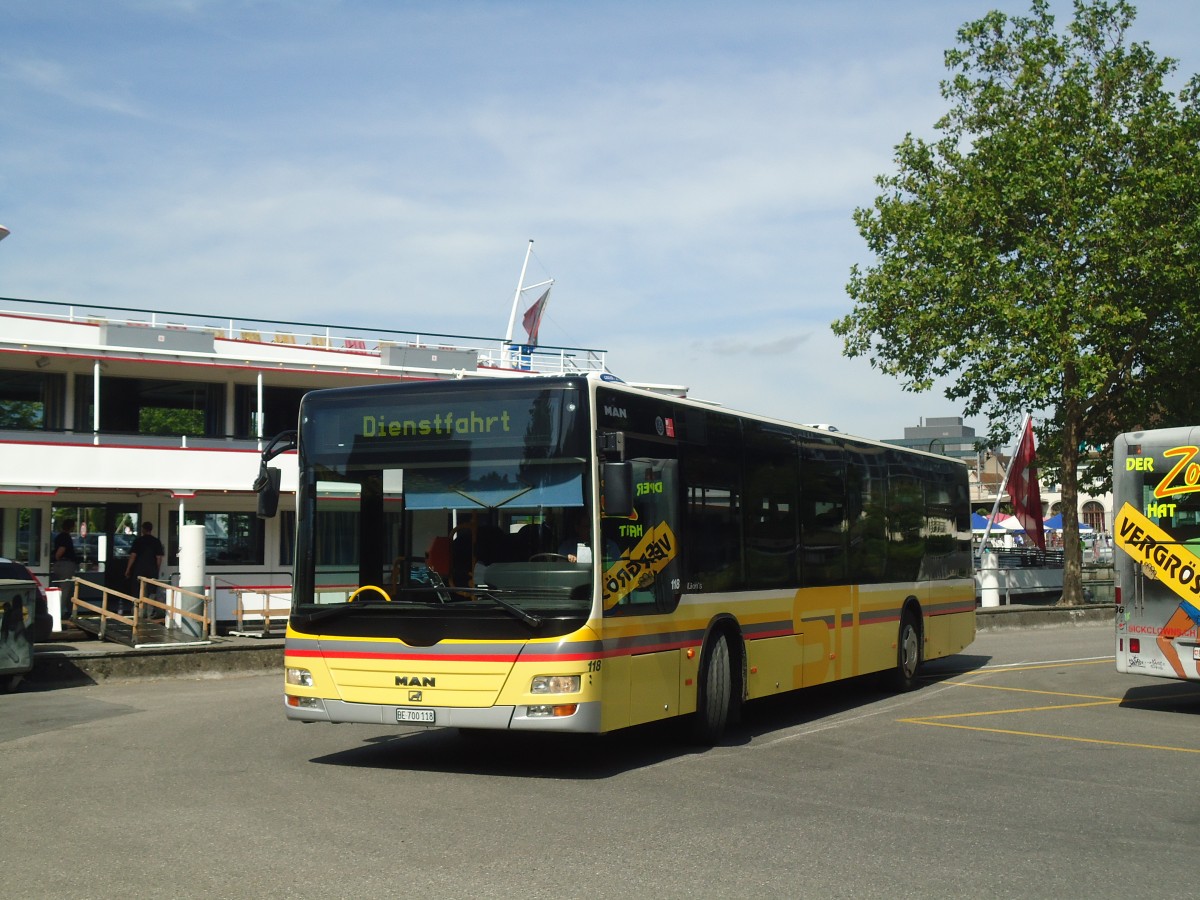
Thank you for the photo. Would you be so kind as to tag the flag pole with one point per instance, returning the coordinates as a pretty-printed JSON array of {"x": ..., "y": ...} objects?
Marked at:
[
  {"x": 512, "y": 318},
  {"x": 1003, "y": 485}
]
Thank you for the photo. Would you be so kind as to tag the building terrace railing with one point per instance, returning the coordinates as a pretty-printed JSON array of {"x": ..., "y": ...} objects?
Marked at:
[{"x": 359, "y": 340}]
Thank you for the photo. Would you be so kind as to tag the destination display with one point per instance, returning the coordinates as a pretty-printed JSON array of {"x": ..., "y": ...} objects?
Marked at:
[{"x": 358, "y": 427}]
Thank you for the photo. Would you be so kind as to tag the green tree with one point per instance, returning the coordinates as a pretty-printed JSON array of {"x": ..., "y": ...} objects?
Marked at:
[{"x": 1041, "y": 253}]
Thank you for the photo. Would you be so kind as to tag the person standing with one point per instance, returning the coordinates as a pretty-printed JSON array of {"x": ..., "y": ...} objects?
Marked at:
[
  {"x": 145, "y": 559},
  {"x": 64, "y": 563}
]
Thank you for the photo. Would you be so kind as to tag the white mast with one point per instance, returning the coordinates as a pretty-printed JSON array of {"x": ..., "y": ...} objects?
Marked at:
[
  {"x": 522, "y": 287},
  {"x": 512, "y": 319}
]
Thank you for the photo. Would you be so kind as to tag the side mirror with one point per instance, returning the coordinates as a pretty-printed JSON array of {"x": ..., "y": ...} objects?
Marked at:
[
  {"x": 267, "y": 485},
  {"x": 617, "y": 489}
]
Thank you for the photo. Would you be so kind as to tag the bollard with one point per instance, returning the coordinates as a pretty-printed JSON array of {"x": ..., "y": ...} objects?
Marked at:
[
  {"x": 191, "y": 575},
  {"x": 54, "y": 607},
  {"x": 989, "y": 579}
]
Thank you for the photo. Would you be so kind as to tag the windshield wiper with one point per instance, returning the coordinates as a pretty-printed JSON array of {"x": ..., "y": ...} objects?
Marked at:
[
  {"x": 322, "y": 614},
  {"x": 524, "y": 615},
  {"x": 533, "y": 621}
]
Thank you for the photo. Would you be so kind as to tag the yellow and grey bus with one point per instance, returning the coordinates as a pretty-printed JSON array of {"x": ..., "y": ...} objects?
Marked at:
[{"x": 573, "y": 554}]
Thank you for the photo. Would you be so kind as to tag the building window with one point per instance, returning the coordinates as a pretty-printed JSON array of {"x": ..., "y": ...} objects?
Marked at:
[
  {"x": 1093, "y": 516},
  {"x": 31, "y": 401},
  {"x": 152, "y": 406},
  {"x": 21, "y": 535},
  {"x": 230, "y": 538},
  {"x": 287, "y": 538},
  {"x": 281, "y": 410}
]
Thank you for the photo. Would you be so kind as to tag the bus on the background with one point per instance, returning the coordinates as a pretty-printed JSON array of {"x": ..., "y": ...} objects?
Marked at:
[
  {"x": 1156, "y": 496},
  {"x": 572, "y": 554}
]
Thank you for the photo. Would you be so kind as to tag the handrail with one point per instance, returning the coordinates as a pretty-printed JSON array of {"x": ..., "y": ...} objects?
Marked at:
[
  {"x": 139, "y": 604},
  {"x": 105, "y": 613},
  {"x": 355, "y": 339}
]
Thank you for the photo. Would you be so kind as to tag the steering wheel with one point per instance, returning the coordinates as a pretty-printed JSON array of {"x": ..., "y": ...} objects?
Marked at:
[
  {"x": 541, "y": 557},
  {"x": 369, "y": 587}
]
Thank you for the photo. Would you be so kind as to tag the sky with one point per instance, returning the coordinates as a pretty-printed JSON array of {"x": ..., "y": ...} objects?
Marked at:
[{"x": 688, "y": 171}]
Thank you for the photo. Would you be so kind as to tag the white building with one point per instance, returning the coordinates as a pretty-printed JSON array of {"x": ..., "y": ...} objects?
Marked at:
[{"x": 115, "y": 417}]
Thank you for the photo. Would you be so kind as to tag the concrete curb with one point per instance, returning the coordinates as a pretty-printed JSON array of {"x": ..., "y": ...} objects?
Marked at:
[
  {"x": 1002, "y": 618},
  {"x": 92, "y": 663},
  {"x": 61, "y": 664}
]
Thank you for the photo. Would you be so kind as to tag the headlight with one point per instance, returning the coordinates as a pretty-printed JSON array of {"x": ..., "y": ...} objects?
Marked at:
[
  {"x": 300, "y": 677},
  {"x": 555, "y": 684}
]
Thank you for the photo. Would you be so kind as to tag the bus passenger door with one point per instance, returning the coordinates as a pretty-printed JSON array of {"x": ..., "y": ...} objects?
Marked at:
[{"x": 641, "y": 553}]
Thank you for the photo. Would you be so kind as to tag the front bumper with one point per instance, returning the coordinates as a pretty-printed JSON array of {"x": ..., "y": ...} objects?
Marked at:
[{"x": 586, "y": 719}]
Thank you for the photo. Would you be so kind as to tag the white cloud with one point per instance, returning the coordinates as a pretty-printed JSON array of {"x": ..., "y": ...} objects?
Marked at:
[
  {"x": 688, "y": 171},
  {"x": 76, "y": 86}
]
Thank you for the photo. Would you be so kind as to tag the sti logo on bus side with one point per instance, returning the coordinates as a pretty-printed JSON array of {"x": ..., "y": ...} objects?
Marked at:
[{"x": 415, "y": 681}]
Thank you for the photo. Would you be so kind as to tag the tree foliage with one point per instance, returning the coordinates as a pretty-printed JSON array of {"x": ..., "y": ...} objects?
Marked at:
[{"x": 1041, "y": 253}]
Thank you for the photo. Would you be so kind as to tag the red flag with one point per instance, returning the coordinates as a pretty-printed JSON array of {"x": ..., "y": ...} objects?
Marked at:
[
  {"x": 533, "y": 318},
  {"x": 1023, "y": 488}
]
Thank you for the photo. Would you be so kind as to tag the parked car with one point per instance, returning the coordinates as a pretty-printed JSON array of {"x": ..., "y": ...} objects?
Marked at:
[
  {"x": 43, "y": 622},
  {"x": 87, "y": 549}
]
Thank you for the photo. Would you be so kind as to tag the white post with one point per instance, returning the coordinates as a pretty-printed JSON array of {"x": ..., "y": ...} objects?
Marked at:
[
  {"x": 989, "y": 579},
  {"x": 54, "y": 607},
  {"x": 210, "y": 606},
  {"x": 191, "y": 575},
  {"x": 96, "y": 402},
  {"x": 258, "y": 413}
]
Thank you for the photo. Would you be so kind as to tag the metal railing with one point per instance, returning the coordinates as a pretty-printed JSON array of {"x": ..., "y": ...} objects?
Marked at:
[
  {"x": 351, "y": 339},
  {"x": 108, "y": 612}
]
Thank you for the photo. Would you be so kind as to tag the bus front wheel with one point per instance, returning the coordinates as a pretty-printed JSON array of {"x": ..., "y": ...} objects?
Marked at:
[
  {"x": 715, "y": 692},
  {"x": 908, "y": 654}
]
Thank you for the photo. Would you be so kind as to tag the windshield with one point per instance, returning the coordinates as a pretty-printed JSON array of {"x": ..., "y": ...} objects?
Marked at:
[{"x": 434, "y": 500}]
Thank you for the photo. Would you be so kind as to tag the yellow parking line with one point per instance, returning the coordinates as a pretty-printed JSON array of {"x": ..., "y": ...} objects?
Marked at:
[
  {"x": 1000, "y": 687},
  {"x": 1056, "y": 664},
  {"x": 1087, "y": 700},
  {"x": 1058, "y": 737},
  {"x": 1003, "y": 712}
]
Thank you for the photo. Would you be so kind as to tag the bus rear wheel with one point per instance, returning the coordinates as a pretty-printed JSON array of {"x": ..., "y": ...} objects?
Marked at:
[{"x": 715, "y": 692}]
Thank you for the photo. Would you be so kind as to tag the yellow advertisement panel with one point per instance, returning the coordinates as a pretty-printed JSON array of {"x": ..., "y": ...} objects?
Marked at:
[
  {"x": 1159, "y": 554},
  {"x": 637, "y": 568}
]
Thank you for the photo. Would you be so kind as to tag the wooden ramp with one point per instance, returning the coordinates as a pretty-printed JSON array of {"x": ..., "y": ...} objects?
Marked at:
[
  {"x": 146, "y": 634},
  {"x": 108, "y": 618}
]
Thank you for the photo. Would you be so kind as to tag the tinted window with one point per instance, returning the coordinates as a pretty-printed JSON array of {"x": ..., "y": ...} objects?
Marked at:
[
  {"x": 711, "y": 463},
  {"x": 772, "y": 488},
  {"x": 866, "y": 513},
  {"x": 823, "y": 510},
  {"x": 906, "y": 519}
]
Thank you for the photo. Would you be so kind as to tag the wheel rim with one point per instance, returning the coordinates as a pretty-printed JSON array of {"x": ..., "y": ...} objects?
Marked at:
[{"x": 909, "y": 650}]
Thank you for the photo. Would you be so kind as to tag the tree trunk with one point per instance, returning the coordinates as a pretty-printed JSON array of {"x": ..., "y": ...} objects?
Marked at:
[{"x": 1072, "y": 594}]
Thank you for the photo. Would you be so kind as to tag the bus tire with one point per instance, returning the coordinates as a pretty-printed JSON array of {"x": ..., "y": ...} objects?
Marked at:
[
  {"x": 715, "y": 692},
  {"x": 908, "y": 653}
]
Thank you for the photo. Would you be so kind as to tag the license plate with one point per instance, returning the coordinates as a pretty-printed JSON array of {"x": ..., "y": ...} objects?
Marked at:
[{"x": 424, "y": 716}]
